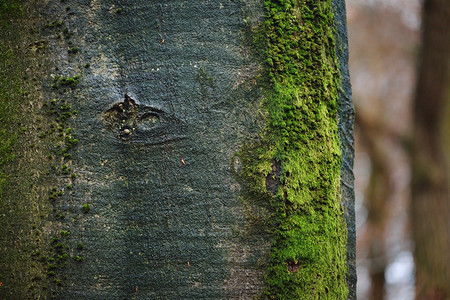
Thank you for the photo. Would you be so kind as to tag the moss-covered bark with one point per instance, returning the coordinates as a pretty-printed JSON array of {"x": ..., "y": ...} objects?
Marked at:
[
  {"x": 9, "y": 88},
  {"x": 294, "y": 169},
  {"x": 24, "y": 180}
]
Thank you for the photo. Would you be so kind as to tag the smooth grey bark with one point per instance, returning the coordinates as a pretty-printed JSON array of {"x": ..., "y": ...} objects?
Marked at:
[{"x": 166, "y": 220}]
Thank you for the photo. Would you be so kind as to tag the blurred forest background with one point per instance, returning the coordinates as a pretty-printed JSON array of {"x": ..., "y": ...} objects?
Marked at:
[
  {"x": 384, "y": 41},
  {"x": 384, "y": 38}
]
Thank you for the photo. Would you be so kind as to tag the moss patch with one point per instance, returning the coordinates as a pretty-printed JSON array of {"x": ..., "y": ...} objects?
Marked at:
[
  {"x": 9, "y": 91},
  {"x": 9, "y": 11},
  {"x": 294, "y": 167}
]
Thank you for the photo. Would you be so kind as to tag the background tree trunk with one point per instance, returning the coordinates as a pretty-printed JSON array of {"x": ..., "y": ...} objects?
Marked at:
[
  {"x": 126, "y": 180},
  {"x": 431, "y": 156},
  {"x": 377, "y": 197}
]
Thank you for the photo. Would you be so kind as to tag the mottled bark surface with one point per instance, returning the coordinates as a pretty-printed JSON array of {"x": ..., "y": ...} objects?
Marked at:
[
  {"x": 431, "y": 159},
  {"x": 127, "y": 166}
]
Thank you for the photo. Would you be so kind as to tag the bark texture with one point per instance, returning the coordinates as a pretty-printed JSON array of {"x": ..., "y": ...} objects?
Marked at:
[{"x": 129, "y": 118}]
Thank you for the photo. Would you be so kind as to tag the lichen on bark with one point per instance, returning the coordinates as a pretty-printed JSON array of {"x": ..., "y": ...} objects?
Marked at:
[{"x": 294, "y": 166}]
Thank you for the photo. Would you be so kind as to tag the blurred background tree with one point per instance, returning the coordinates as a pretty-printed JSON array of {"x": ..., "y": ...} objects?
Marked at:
[
  {"x": 430, "y": 209},
  {"x": 384, "y": 38}
]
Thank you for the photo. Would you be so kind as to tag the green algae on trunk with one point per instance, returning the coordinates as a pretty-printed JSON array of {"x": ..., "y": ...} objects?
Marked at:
[
  {"x": 9, "y": 90},
  {"x": 24, "y": 183},
  {"x": 294, "y": 167}
]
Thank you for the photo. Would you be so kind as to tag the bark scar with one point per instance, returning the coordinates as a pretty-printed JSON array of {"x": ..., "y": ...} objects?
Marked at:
[{"x": 139, "y": 123}]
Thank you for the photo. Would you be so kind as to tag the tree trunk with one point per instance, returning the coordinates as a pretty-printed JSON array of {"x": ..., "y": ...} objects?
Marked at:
[
  {"x": 431, "y": 156},
  {"x": 137, "y": 123},
  {"x": 378, "y": 192}
]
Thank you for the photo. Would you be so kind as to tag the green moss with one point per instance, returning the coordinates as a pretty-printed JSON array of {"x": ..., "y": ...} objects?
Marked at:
[
  {"x": 61, "y": 81},
  {"x": 86, "y": 208},
  {"x": 61, "y": 135},
  {"x": 10, "y": 94},
  {"x": 64, "y": 233},
  {"x": 65, "y": 169},
  {"x": 73, "y": 50},
  {"x": 54, "y": 23},
  {"x": 294, "y": 167},
  {"x": 78, "y": 258},
  {"x": 9, "y": 10}
]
